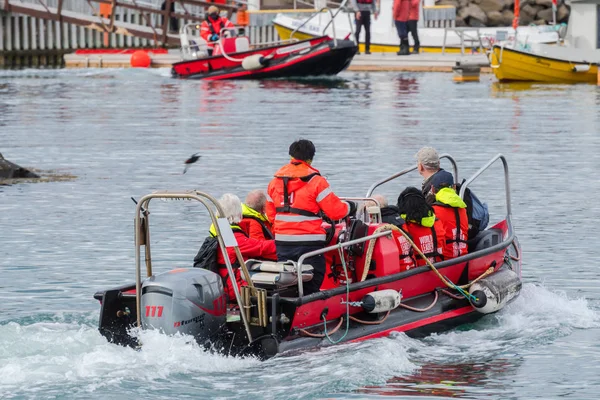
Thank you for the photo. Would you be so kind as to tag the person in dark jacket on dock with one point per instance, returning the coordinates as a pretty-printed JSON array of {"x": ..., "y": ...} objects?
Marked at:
[{"x": 363, "y": 9}]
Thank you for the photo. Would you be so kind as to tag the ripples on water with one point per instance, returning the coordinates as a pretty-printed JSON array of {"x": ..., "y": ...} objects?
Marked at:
[{"x": 126, "y": 133}]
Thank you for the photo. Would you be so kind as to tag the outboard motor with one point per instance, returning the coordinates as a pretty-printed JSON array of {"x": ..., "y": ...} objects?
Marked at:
[
  {"x": 189, "y": 301},
  {"x": 495, "y": 291}
]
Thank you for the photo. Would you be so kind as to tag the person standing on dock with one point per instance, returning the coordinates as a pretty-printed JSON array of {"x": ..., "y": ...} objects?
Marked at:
[
  {"x": 364, "y": 8},
  {"x": 413, "y": 21},
  {"x": 400, "y": 11}
]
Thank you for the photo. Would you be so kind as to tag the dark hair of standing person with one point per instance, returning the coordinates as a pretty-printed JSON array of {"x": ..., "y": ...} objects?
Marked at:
[{"x": 302, "y": 149}]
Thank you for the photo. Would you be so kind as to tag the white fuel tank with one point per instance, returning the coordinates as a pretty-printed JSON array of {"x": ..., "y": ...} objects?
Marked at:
[
  {"x": 495, "y": 291},
  {"x": 381, "y": 301}
]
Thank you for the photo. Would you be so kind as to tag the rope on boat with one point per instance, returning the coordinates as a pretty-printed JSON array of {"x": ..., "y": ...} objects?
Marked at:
[
  {"x": 444, "y": 280},
  {"x": 518, "y": 256},
  {"x": 422, "y": 309},
  {"x": 360, "y": 321},
  {"x": 320, "y": 335},
  {"x": 347, "y": 304},
  {"x": 451, "y": 295}
]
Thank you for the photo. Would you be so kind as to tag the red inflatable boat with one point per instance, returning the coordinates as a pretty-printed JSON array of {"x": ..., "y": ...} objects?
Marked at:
[{"x": 368, "y": 294}]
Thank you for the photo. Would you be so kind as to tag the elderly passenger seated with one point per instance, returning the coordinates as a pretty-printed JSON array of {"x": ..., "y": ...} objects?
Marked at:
[
  {"x": 249, "y": 247},
  {"x": 254, "y": 221},
  {"x": 389, "y": 214}
]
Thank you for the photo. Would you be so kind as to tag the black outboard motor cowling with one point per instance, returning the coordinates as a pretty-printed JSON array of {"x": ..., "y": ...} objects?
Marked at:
[{"x": 189, "y": 301}]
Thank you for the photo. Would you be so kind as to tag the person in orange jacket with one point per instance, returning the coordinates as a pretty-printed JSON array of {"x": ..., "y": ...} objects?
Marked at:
[
  {"x": 254, "y": 221},
  {"x": 249, "y": 247},
  {"x": 452, "y": 211},
  {"x": 400, "y": 12},
  {"x": 295, "y": 199},
  {"x": 413, "y": 21},
  {"x": 425, "y": 230},
  {"x": 210, "y": 29}
]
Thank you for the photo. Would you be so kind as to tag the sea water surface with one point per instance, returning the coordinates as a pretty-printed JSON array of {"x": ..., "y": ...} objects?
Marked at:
[{"x": 126, "y": 133}]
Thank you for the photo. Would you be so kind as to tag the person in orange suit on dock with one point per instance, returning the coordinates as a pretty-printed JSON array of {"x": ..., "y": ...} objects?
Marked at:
[
  {"x": 210, "y": 30},
  {"x": 400, "y": 12}
]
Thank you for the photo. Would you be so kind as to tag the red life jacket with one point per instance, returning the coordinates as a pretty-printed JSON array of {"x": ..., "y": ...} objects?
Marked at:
[
  {"x": 456, "y": 225},
  {"x": 430, "y": 240},
  {"x": 295, "y": 197},
  {"x": 406, "y": 251}
]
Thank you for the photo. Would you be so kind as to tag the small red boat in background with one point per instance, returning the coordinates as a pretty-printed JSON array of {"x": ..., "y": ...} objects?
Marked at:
[{"x": 232, "y": 56}]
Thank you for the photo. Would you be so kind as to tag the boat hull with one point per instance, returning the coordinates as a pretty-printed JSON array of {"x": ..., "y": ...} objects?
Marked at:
[
  {"x": 511, "y": 65},
  {"x": 313, "y": 57}
]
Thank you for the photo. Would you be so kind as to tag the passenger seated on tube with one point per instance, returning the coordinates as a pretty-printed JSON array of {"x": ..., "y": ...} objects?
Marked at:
[
  {"x": 452, "y": 211},
  {"x": 249, "y": 247},
  {"x": 424, "y": 229}
]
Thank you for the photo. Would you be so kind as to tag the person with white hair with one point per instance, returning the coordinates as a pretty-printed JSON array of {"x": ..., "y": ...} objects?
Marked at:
[
  {"x": 254, "y": 221},
  {"x": 389, "y": 214},
  {"x": 249, "y": 247}
]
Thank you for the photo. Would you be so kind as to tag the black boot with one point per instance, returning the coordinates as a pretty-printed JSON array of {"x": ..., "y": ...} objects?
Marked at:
[
  {"x": 404, "y": 48},
  {"x": 415, "y": 50}
]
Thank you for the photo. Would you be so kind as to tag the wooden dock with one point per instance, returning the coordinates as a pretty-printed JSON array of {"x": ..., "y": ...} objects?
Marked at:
[{"x": 426, "y": 62}]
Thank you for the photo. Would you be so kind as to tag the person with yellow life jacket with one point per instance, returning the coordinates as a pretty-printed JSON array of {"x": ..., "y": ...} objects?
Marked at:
[
  {"x": 254, "y": 221},
  {"x": 296, "y": 197},
  {"x": 424, "y": 229},
  {"x": 249, "y": 247},
  {"x": 210, "y": 29},
  {"x": 452, "y": 211}
]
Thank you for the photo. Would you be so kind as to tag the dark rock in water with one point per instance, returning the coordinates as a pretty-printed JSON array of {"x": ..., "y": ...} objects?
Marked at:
[{"x": 9, "y": 170}]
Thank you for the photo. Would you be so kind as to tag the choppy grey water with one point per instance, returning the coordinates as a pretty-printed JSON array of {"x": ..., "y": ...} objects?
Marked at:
[{"x": 126, "y": 133}]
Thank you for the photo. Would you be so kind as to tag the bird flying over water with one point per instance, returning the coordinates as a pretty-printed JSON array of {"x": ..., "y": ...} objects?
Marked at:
[{"x": 190, "y": 161}]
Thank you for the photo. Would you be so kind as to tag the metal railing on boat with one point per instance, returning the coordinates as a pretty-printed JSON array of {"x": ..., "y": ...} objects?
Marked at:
[
  {"x": 221, "y": 225},
  {"x": 410, "y": 169},
  {"x": 331, "y": 22}
]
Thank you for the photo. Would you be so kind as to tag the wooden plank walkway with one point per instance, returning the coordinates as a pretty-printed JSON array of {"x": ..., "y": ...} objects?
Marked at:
[
  {"x": 93, "y": 22},
  {"x": 426, "y": 62}
]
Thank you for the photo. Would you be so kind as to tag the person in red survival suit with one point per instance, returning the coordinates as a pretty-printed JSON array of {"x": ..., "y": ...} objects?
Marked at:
[
  {"x": 295, "y": 199},
  {"x": 254, "y": 222},
  {"x": 452, "y": 211},
  {"x": 249, "y": 247},
  {"x": 210, "y": 30},
  {"x": 425, "y": 230}
]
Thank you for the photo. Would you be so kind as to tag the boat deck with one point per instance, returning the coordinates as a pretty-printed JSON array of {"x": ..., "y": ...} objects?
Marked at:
[{"x": 424, "y": 62}]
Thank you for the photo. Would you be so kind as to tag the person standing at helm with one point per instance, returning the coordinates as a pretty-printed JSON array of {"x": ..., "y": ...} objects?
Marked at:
[
  {"x": 363, "y": 9},
  {"x": 254, "y": 221},
  {"x": 295, "y": 199},
  {"x": 210, "y": 30},
  {"x": 452, "y": 211}
]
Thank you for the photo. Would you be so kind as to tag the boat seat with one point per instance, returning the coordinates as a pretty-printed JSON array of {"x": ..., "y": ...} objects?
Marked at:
[
  {"x": 273, "y": 274},
  {"x": 485, "y": 239}
]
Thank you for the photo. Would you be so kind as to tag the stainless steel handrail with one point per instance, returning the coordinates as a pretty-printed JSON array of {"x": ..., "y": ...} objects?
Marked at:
[
  {"x": 312, "y": 16},
  {"x": 497, "y": 157},
  {"x": 341, "y": 7},
  {"x": 329, "y": 248},
  {"x": 202, "y": 198},
  {"x": 406, "y": 171}
]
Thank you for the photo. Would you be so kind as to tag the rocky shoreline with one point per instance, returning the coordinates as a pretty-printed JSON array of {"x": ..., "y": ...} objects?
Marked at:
[{"x": 480, "y": 13}]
